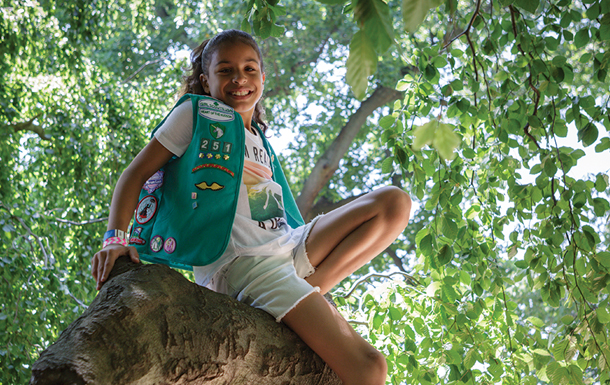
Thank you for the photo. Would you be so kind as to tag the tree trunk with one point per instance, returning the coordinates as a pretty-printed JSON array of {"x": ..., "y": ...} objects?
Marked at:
[
  {"x": 150, "y": 325},
  {"x": 328, "y": 163}
]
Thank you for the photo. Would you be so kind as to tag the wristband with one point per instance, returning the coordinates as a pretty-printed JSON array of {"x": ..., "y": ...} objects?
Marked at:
[
  {"x": 114, "y": 233},
  {"x": 115, "y": 241}
]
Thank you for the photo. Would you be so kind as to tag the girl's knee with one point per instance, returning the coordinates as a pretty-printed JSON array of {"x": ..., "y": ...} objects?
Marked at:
[{"x": 395, "y": 202}]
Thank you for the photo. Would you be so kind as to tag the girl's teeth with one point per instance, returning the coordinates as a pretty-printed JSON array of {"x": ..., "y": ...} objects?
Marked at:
[{"x": 240, "y": 93}]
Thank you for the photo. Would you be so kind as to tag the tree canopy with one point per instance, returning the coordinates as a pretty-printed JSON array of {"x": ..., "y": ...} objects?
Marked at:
[{"x": 484, "y": 111}]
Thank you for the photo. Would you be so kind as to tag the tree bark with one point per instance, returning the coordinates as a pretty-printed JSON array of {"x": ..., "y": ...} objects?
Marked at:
[
  {"x": 150, "y": 325},
  {"x": 329, "y": 161}
]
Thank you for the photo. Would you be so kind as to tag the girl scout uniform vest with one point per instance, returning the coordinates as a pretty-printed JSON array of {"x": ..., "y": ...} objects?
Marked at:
[{"x": 186, "y": 210}]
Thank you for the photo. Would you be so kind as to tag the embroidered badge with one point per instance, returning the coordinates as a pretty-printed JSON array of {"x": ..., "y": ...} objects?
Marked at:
[
  {"x": 216, "y": 111},
  {"x": 135, "y": 237},
  {"x": 215, "y": 146},
  {"x": 194, "y": 205},
  {"x": 213, "y": 165},
  {"x": 147, "y": 207},
  {"x": 170, "y": 245},
  {"x": 156, "y": 244},
  {"x": 217, "y": 156},
  {"x": 226, "y": 157},
  {"x": 214, "y": 186},
  {"x": 210, "y": 155},
  {"x": 193, "y": 195},
  {"x": 154, "y": 182},
  {"x": 205, "y": 144},
  {"x": 217, "y": 130}
]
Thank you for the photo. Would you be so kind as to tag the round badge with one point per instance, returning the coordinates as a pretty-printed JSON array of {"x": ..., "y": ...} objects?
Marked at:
[
  {"x": 146, "y": 209},
  {"x": 156, "y": 243},
  {"x": 170, "y": 245}
]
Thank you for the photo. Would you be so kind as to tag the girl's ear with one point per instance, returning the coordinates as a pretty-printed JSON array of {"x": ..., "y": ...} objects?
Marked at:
[{"x": 204, "y": 83}]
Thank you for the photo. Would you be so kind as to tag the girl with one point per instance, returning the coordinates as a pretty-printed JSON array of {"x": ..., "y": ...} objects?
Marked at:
[{"x": 214, "y": 197}]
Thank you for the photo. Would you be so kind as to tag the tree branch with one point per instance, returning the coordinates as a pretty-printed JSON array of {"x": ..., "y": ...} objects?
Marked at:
[
  {"x": 328, "y": 163},
  {"x": 30, "y": 126}
]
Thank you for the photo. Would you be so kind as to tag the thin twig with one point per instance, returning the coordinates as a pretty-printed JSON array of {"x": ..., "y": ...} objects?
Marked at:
[
  {"x": 81, "y": 223},
  {"x": 371, "y": 275},
  {"x": 78, "y": 301},
  {"x": 467, "y": 29},
  {"x": 150, "y": 62}
]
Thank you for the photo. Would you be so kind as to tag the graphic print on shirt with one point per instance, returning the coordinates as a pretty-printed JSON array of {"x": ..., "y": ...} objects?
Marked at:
[{"x": 264, "y": 195}]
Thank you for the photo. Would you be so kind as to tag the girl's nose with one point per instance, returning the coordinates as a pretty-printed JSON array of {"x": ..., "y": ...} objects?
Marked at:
[{"x": 239, "y": 78}]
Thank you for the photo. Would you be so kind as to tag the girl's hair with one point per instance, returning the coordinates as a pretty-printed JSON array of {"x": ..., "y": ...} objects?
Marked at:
[{"x": 200, "y": 63}]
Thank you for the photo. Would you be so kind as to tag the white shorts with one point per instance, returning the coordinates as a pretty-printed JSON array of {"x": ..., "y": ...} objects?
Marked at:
[{"x": 274, "y": 283}]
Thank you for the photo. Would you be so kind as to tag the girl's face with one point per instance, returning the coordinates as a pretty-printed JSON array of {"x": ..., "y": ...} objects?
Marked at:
[{"x": 235, "y": 77}]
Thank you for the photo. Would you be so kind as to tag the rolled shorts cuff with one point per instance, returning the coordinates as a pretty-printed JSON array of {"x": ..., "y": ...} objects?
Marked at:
[{"x": 302, "y": 265}]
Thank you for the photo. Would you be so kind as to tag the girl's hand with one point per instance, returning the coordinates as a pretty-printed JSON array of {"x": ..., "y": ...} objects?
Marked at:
[{"x": 103, "y": 261}]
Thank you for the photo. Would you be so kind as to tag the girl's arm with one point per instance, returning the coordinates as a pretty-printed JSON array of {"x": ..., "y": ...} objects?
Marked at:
[{"x": 124, "y": 201}]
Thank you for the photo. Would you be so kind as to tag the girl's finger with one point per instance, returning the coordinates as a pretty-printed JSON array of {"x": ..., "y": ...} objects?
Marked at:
[
  {"x": 133, "y": 254},
  {"x": 107, "y": 267}
]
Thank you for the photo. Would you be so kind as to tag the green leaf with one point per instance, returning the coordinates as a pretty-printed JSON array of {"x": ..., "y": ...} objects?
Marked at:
[
  {"x": 414, "y": 12},
  {"x": 395, "y": 314},
  {"x": 601, "y": 182},
  {"x": 528, "y": 5},
  {"x": 378, "y": 25},
  {"x": 445, "y": 255},
  {"x": 449, "y": 227},
  {"x": 603, "y": 257},
  {"x": 245, "y": 26},
  {"x": 542, "y": 352},
  {"x": 603, "y": 316},
  {"x": 582, "y": 38},
  {"x": 424, "y": 134},
  {"x": 387, "y": 166},
  {"x": 361, "y": 63},
  {"x": 425, "y": 246},
  {"x": 446, "y": 141},
  {"x": 536, "y": 322},
  {"x": 588, "y": 135}
]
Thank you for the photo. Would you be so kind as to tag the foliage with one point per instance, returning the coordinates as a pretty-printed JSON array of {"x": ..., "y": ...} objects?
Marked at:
[{"x": 509, "y": 249}]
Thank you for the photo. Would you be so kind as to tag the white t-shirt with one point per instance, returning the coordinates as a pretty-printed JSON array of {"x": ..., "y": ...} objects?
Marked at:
[{"x": 260, "y": 226}]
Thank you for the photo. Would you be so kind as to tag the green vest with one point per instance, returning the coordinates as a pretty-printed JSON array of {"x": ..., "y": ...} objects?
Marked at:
[{"x": 186, "y": 210}]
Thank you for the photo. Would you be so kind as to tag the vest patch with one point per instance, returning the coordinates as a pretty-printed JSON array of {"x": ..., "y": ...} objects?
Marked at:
[
  {"x": 154, "y": 182},
  {"x": 146, "y": 209},
  {"x": 216, "y": 111},
  {"x": 213, "y": 165},
  {"x": 156, "y": 243},
  {"x": 135, "y": 236},
  {"x": 214, "y": 186},
  {"x": 217, "y": 130},
  {"x": 170, "y": 245}
]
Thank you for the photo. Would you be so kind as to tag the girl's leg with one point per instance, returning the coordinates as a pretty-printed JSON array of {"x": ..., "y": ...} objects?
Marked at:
[
  {"x": 328, "y": 334},
  {"x": 347, "y": 238}
]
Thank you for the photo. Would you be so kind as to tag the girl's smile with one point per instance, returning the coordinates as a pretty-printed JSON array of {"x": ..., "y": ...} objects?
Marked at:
[{"x": 235, "y": 77}]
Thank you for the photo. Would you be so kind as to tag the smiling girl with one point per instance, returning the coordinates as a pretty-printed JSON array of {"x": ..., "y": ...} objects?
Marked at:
[{"x": 209, "y": 195}]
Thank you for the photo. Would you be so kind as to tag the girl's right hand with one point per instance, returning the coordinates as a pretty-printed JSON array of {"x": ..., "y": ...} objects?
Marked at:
[{"x": 103, "y": 261}]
